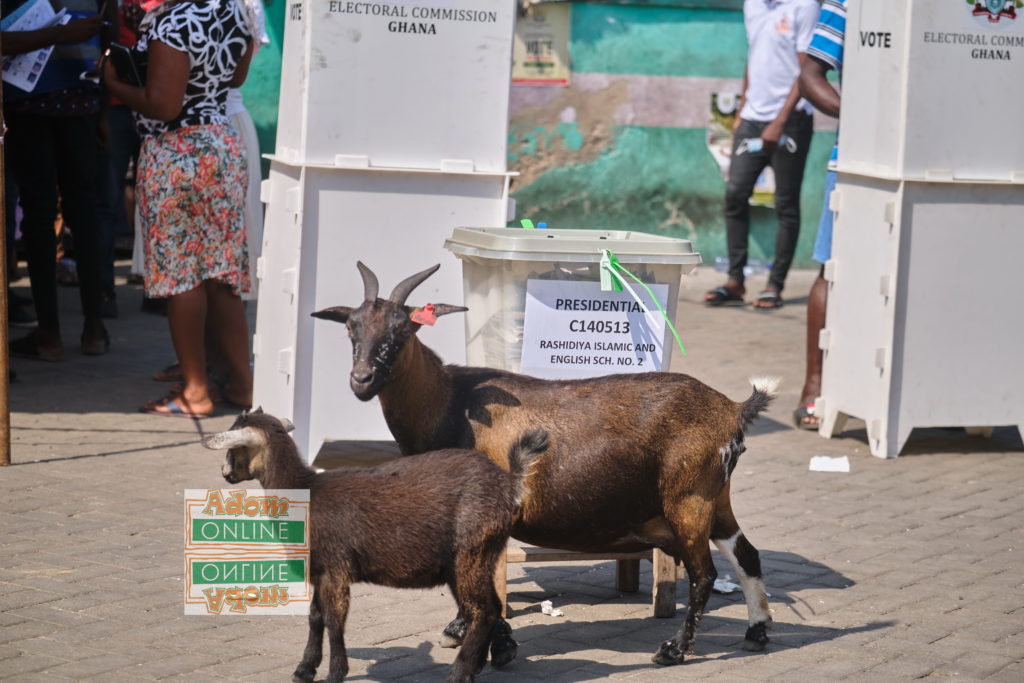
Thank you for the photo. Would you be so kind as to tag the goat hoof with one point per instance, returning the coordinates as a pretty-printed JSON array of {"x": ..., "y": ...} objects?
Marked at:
[
  {"x": 668, "y": 654},
  {"x": 302, "y": 675},
  {"x": 449, "y": 641},
  {"x": 503, "y": 650},
  {"x": 453, "y": 633},
  {"x": 756, "y": 638}
]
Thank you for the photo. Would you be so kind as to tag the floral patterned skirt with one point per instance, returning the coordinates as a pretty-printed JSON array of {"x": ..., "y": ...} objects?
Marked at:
[{"x": 191, "y": 193}]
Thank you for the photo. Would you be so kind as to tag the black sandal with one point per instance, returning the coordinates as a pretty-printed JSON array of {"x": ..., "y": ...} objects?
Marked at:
[
  {"x": 769, "y": 299},
  {"x": 720, "y": 296},
  {"x": 805, "y": 418}
]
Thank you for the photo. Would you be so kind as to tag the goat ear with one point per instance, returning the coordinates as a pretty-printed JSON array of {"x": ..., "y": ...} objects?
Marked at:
[
  {"x": 235, "y": 438},
  {"x": 445, "y": 309},
  {"x": 338, "y": 314},
  {"x": 287, "y": 424}
]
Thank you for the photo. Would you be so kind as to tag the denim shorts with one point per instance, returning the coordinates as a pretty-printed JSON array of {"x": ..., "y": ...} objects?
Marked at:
[{"x": 823, "y": 244}]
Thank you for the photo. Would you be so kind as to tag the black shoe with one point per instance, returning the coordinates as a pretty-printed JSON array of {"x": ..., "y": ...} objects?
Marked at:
[
  {"x": 95, "y": 340},
  {"x": 19, "y": 316}
]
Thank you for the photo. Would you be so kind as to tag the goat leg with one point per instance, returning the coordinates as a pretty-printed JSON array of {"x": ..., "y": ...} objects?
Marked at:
[
  {"x": 743, "y": 556},
  {"x": 503, "y": 648},
  {"x": 473, "y": 653},
  {"x": 335, "y": 613},
  {"x": 692, "y": 548},
  {"x": 313, "y": 654},
  {"x": 454, "y": 632},
  {"x": 674, "y": 651}
]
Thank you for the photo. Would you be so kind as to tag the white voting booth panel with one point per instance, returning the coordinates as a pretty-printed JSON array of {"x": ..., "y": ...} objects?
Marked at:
[
  {"x": 928, "y": 89},
  {"x": 392, "y": 130},
  {"x": 922, "y": 329},
  {"x": 401, "y": 83},
  {"x": 320, "y": 222}
]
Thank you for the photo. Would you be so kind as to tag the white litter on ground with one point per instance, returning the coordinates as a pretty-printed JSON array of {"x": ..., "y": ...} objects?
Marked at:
[
  {"x": 724, "y": 585},
  {"x": 824, "y": 463},
  {"x": 547, "y": 608}
]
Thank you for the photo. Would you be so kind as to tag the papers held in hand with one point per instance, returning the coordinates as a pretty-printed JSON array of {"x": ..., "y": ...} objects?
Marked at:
[{"x": 129, "y": 64}]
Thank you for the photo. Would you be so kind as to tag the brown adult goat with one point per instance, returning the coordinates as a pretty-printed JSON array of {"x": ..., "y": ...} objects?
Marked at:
[
  {"x": 636, "y": 461},
  {"x": 443, "y": 517}
]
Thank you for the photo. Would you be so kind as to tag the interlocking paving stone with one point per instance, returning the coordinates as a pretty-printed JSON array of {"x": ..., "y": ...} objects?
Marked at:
[{"x": 27, "y": 664}]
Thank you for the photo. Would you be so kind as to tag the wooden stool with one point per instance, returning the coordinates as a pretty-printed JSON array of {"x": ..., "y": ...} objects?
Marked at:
[{"x": 627, "y": 572}]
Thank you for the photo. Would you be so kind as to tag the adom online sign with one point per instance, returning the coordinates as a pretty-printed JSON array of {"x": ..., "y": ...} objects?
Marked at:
[{"x": 247, "y": 551}]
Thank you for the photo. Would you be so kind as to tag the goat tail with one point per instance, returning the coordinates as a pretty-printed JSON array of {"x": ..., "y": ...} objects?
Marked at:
[
  {"x": 765, "y": 390},
  {"x": 523, "y": 455}
]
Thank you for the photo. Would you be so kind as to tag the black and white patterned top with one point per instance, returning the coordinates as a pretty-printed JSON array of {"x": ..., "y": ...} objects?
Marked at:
[{"x": 214, "y": 35}]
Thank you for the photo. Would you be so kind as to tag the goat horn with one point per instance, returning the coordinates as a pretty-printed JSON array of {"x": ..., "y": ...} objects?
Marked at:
[
  {"x": 370, "y": 285},
  {"x": 405, "y": 287},
  {"x": 246, "y": 436}
]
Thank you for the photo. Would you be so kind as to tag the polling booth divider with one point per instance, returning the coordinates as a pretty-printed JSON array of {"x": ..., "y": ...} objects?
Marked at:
[
  {"x": 392, "y": 130},
  {"x": 921, "y": 327}
]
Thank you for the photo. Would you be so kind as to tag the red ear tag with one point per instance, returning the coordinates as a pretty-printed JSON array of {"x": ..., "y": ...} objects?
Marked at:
[{"x": 424, "y": 316}]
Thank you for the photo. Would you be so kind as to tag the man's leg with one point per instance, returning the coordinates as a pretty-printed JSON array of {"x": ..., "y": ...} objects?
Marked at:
[
  {"x": 744, "y": 168},
  {"x": 31, "y": 144},
  {"x": 78, "y": 169},
  {"x": 817, "y": 303},
  {"x": 789, "y": 166}
]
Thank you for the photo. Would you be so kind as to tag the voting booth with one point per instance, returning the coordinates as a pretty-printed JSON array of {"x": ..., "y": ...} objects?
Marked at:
[
  {"x": 922, "y": 329},
  {"x": 392, "y": 129}
]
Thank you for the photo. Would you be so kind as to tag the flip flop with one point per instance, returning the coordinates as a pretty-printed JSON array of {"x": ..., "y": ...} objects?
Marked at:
[
  {"x": 720, "y": 296},
  {"x": 768, "y": 299},
  {"x": 804, "y": 413},
  {"x": 172, "y": 406}
]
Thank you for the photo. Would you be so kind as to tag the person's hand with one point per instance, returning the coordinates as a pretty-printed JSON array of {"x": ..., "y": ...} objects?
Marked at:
[
  {"x": 79, "y": 30},
  {"x": 108, "y": 74},
  {"x": 771, "y": 134},
  {"x": 736, "y": 122}
]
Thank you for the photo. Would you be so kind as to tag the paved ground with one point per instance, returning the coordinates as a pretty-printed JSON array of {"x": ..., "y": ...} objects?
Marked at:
[{"x": 898, "y": 570}]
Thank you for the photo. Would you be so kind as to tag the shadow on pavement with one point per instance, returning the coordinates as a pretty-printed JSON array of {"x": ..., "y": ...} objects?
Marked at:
[{"x": 719, "y": 639}]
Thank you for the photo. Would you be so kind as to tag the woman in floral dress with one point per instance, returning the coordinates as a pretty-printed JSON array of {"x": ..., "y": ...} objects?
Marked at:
[{"x": 191, "y": 188}]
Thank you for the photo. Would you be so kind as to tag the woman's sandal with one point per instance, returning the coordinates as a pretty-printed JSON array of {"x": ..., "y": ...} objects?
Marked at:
[
  {"x": 804, "y": 418},
  {"x": 768, "y": 299},
  {"x": 720, "y": 296},
  {"x": 173, "y": 406}
]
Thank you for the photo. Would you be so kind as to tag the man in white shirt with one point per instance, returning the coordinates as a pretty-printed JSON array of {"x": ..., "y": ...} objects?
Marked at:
[{"x": 773, "y": 128}]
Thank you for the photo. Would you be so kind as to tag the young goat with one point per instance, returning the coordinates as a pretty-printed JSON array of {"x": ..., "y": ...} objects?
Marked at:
[
  {"x": 636, "y": 461},
  {"x": 444, "y": 517}
]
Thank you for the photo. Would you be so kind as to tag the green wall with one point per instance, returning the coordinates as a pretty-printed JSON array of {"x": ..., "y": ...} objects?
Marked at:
[
  {"x": 263, "y": 85},
  {"x": 595, "y": 172},
  {"x": 655, "y": 178}
]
